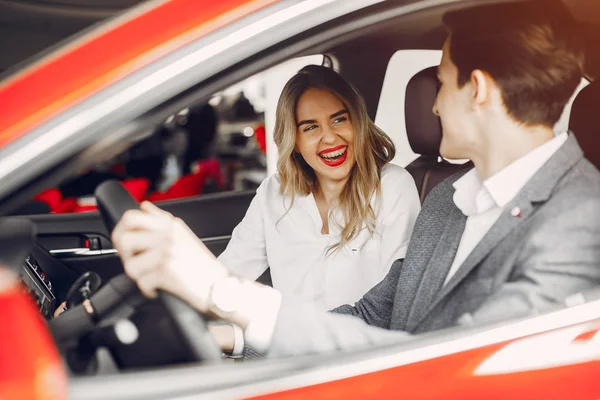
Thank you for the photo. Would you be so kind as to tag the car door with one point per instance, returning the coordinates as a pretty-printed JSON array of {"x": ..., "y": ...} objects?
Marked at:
[{"x": 81, "y": 242}]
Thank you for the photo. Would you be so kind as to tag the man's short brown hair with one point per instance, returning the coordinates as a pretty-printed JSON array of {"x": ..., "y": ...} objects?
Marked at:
[{"x": 531, "y": 49}]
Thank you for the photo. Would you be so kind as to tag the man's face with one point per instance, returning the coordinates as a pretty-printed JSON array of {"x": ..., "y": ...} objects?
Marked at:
[{"x": 453, "y": 106}]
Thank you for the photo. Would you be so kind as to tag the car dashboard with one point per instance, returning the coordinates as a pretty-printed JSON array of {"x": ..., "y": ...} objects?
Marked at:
[{"x": 37, "y": 283}]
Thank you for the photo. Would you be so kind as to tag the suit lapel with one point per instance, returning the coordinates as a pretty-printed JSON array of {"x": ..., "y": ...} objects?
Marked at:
[
  {"x": 439, "y": 265},
  {"x": 535, "y": 192},
  {"x": 505, "y": 224}
]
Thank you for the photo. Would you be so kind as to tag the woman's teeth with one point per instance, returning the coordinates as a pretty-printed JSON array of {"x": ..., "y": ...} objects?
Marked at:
[{"x": 333, "y": 154}]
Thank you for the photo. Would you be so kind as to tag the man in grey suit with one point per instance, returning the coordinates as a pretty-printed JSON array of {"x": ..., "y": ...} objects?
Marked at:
[{"x": 516, "y": 235}]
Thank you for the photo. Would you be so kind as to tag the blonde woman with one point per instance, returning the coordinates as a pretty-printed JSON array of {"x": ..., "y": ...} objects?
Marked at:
[{"x": 336, "y": 215}]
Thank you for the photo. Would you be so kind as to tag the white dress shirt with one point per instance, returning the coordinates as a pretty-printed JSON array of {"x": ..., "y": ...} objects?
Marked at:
[
  {"x": 292, "y": 245},
  {"x": 483, "y": 202}
]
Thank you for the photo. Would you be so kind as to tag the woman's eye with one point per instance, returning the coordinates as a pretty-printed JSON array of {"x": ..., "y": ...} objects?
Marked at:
[
  {"x": 340, "y": 119},
  {"x": 309, "y": 128}
]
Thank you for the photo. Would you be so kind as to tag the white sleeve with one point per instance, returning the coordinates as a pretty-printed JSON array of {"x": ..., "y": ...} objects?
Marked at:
[
  {"x": 302, "y": 328},
  {"x": 399, "y": 211},
  {"x": 287, "y": 326},
  {"x": 246, "y": 253}
]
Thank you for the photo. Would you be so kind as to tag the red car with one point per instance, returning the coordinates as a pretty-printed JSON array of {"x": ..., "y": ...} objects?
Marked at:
[{"x": 109, "y": 87}]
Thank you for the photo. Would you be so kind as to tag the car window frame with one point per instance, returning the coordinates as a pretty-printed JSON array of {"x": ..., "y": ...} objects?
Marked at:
[{"x": 48, "y": 144}]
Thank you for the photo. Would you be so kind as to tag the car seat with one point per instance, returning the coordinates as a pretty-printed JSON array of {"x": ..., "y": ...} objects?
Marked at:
[
  {"x": 424, "y": 132},
  {"x": 583, "y": 121}
]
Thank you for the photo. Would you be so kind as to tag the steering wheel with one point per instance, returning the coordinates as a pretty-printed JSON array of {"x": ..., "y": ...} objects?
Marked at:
[
  {"x": 113, "y": 201},
  {"x": 82, "y": 289}
]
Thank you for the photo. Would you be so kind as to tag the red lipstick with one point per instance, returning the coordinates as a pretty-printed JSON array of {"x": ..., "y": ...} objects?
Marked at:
[
  {"x": 334, "y": 162},
  {"x": 332, "y": 149}
]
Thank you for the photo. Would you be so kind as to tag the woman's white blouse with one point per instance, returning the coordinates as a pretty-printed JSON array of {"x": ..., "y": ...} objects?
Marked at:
[{"x": 292, "y": 245}]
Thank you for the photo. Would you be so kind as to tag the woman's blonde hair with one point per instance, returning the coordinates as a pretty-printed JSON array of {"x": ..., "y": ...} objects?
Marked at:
[{"x": 373, "y": 149}]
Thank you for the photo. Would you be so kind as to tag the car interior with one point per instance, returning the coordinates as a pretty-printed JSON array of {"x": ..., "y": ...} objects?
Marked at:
[
  {"x": 424, "y": 133},
  {"x": 70, "y": 257}
]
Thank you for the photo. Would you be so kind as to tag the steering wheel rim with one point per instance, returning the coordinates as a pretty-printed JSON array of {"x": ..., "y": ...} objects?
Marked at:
[
  {"x": 113, "y": 201},
  {"x": 82, "y": 289}
]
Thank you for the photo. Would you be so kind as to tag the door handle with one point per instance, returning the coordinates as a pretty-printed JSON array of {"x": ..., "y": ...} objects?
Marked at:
[{"x": 80, "y": 252}]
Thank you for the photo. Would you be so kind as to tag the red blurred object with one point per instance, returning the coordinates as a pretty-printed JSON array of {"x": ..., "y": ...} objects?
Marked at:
[
  {"x": 260, "y": 134},
  {"x": 53, "y": 197},
  {"x": 30, "y": 365},
  {"x": 67, "y": 205},
  {"x": 85, "y": 208},
  {"x": 212, "y": 169},
  {"x": 529, "y": 367},
  {"x": 137, "y": 187},
  {"x": 119, "y": 169},
  {"x": 192, "y": 184},
  {"x": 186, "y": 186}
]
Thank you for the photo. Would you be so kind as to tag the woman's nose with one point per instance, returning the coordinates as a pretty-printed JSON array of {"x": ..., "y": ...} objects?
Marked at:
[{"x": 329, "y": 135}]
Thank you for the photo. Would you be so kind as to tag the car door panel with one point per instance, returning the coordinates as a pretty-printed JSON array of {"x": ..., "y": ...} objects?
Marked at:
[{"x": 211, "y": 217}]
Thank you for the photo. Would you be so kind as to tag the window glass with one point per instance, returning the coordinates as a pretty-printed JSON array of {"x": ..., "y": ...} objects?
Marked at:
[{"x": 224, "y": 144}]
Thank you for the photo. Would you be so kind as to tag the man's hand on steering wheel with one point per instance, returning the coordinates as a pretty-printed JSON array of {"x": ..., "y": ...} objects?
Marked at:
[{"x": 159, "y": 251}]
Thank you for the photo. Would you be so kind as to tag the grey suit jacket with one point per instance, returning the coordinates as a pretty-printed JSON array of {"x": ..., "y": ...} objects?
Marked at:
[{"x": 524, "y": 264}]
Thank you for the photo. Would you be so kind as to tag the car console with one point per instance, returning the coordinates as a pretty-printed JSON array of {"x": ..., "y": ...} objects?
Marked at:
[
  {"x": 37, "y": 283},
  {"x": 17, "y": 242}
]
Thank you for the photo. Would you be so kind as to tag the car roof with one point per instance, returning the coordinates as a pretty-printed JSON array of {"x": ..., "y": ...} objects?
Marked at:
[
  {"x": 114, "y": 50},
  {"x": 106, "y": 54}
]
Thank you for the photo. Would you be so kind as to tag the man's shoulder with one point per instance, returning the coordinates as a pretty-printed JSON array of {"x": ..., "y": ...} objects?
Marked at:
[
  {"x": 581, "y": 183},
  {"x": 572, "y": 213},
  {"x": 585, "y": 172},
  {"x": 437, "y": 207},
  {"x": 443, "y": 192}
]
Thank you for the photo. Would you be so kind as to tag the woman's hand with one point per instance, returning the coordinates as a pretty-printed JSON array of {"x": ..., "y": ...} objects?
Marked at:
[
  {"x": 159, "y": 251},
  {"x": 62, "y": 307}
]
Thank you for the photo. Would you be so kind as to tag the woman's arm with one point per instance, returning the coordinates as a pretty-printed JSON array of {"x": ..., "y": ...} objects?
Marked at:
[{"x": 246, "y": 253}]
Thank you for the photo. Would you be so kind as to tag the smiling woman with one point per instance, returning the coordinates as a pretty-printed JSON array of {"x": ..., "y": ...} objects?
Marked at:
[
  {"x": 336, "y": 215},
  {"x": 325, "y": 141}
]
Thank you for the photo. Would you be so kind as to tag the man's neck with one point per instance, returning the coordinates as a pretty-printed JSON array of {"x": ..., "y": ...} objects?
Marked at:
[{"x": 505, "y": 147}]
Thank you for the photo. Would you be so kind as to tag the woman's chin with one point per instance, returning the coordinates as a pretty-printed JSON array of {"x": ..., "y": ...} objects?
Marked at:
[{"x": 334, "y": 174}]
